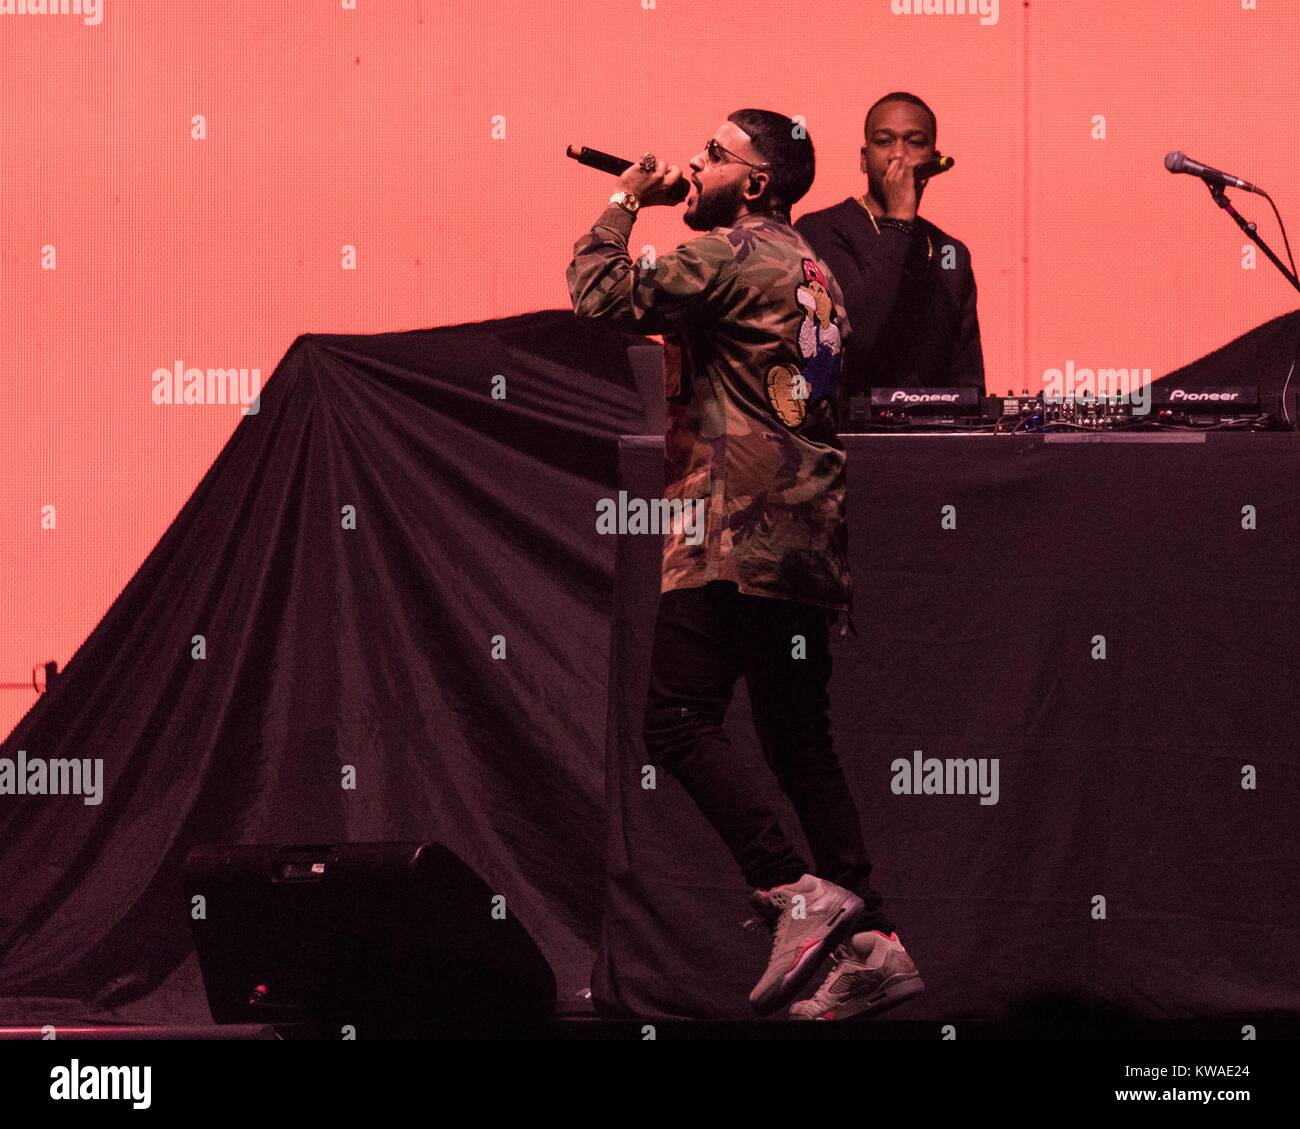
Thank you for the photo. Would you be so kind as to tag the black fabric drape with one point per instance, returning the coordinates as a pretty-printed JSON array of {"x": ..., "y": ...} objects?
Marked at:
[
  {"x": 1265, "y": 356},
  {"x": 328, "y": 647},
  {"x": 476, "y": 517}
]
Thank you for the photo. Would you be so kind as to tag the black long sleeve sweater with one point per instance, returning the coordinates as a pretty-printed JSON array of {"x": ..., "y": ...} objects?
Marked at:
[{"x": 911, "y": 304}]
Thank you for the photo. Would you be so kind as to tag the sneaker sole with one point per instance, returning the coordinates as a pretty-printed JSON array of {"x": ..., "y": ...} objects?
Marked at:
[
  {"x": 896, "y": 990},
  {"x": 788, "y": 986}
]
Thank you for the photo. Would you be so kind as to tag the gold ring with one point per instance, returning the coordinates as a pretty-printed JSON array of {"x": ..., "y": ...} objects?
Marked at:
[{"x": 648, "y": 162}]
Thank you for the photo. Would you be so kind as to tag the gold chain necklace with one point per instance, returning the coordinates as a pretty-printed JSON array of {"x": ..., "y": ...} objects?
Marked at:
[{"x": 929, "y": 247}]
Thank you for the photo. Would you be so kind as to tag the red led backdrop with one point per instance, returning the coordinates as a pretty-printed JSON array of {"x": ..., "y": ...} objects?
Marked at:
[{"x": 200, "y": 181}]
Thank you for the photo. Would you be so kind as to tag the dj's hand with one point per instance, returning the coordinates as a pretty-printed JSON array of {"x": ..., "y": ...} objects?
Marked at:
[
  {"x": 651, "y": 188},
  {"x": 899, "y": 185}
]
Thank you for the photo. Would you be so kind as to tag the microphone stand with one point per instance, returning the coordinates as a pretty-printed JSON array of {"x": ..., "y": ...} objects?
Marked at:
[{"x": 1220, "y": 198}]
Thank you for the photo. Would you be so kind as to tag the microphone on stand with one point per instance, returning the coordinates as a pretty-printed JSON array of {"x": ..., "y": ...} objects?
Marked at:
[
  {"x": 1216, "y": 181},
  {"x": 616, "y": 166},
  {"x": 1178, "y": 161}
]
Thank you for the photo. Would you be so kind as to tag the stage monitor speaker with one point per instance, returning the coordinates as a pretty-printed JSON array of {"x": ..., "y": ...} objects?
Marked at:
[{"x": 365, "y": 940}]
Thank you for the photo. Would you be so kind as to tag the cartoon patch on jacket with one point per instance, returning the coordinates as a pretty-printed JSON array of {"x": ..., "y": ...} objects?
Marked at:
[{"x": 790, "y": 391}]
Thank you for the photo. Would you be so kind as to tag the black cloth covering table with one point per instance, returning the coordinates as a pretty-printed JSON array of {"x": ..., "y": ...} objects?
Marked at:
[{"x": 1119, "y": 778}]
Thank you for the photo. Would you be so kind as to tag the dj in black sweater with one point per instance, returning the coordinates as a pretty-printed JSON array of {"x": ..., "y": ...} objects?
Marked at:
[{"x": 908, "y": 286}]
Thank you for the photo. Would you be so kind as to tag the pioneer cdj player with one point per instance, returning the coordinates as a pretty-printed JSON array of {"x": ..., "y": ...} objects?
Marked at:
[{"x": 1155, "y": 407}]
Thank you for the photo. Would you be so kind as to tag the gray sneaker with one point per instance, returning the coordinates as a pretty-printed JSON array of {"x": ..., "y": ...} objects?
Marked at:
[
  {"x": 869, "y": 974},
  {"x": 806, "y": 918}
]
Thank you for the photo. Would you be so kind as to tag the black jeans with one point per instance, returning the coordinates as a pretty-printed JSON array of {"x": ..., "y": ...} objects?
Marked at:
[{"x": 704, "y": 639}]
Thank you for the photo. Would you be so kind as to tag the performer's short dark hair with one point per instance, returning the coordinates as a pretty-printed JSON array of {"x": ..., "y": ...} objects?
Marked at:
[
  {"x": 785, "y": 145},
  {"x": 901, "y": 96}
]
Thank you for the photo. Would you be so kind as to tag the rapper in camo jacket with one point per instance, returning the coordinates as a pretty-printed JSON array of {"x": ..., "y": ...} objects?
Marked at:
[
  {"x": 755, "y": 330},
  {"x": 756, "y": 326}
]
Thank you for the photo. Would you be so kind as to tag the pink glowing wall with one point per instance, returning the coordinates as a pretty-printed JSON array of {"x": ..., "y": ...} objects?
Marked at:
[{"x": 428, "y": 135}]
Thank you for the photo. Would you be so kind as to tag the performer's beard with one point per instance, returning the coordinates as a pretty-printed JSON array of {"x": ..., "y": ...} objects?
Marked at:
[{"x": 716, "y": 207}]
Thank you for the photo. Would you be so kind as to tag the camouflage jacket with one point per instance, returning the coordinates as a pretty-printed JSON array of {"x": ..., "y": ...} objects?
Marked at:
[{"x": 754, "y": 326}]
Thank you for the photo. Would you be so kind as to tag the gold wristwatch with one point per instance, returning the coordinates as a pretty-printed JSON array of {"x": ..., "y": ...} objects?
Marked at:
[{"x": 627, "y": 201}]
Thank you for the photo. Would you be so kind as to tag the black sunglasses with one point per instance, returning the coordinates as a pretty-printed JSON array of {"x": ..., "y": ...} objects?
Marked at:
[{"x": 716, "y": 153}]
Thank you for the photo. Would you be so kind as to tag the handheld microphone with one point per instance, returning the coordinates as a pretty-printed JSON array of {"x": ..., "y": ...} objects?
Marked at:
[
  {"x": 616, "y": 166},
  {"x": 933, "y": 168},
  {"x": 1178, "y": 161}
]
